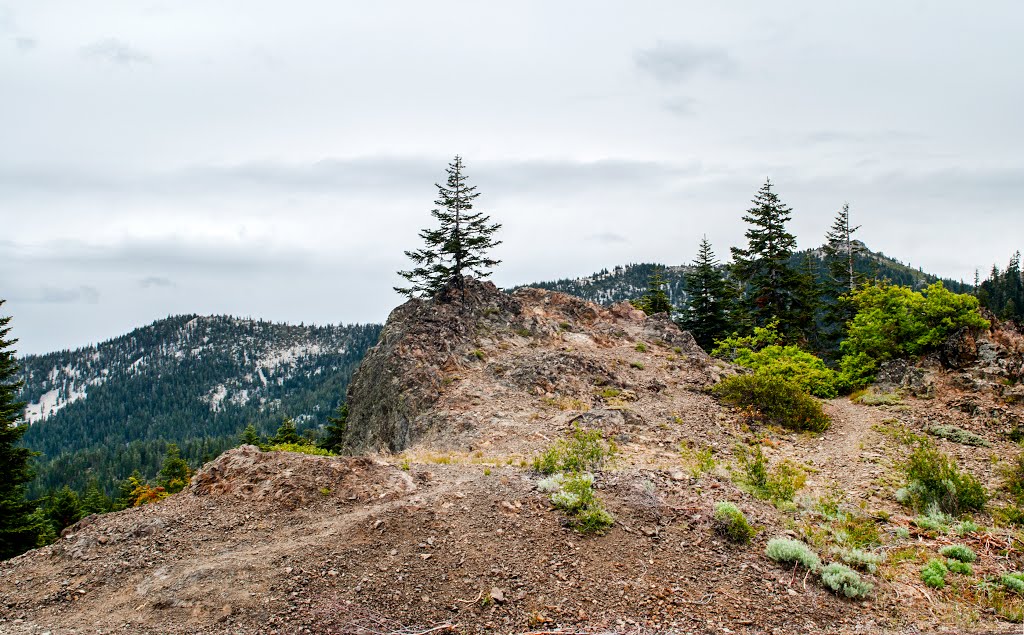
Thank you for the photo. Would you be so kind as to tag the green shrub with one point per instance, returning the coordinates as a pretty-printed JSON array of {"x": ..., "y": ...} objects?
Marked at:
[
  {"x": 1014, "y": 476},
  {"x": 636, "y": 365},
  {"x": 933, "y": 479},
  {"x": 777, "y": 484},
  {"x": 575, "y": 496},
  {"x": 963, "y": 553},
  {"x": 934, "y": 520},
  {"x": 958, "y": 435},
  {"x": 965, "y": 527},
  {"x": 775, "y": 400},
  {"x": 301, "y": 448},
  {"x": 1013, "y": 581},
  {"x": 860, "y": 559},
  {"x": 893, "y": 322},
  {"x": 584, "y": 450},
  {"x": 641, "y": 347},
  {"x": 730, "y": 522},
  {"x": 870, "y": 397},
  {"x": 845, "y": 581},
  {"x": 934, "y": 573},
  {"x": 763, "y": 353},
  {"x": 955, "y": 566},
  {"x": 787, "y": 551}
]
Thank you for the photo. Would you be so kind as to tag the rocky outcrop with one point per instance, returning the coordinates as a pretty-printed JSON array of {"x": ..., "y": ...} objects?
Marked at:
[
  {"x": 402, "y": 376},
  {"x": 960, "y": 350},
  {"x": 532, "y": 343}
]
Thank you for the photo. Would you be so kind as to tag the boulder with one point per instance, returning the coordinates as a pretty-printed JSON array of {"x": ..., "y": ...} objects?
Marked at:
[{"x": 960, "y": 350}]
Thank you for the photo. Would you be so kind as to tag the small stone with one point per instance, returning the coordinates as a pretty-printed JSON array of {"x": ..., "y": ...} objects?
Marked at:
[{"x": 497, "y": 595}]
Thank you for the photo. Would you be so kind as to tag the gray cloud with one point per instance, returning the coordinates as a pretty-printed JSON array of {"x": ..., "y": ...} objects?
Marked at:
[
  {"x": 609, "y": 237},
  {"x": 25, "y": 44},
  {"x": 155, "y": 281},
  {"x": 55, "y": 295},
  {"x": 115, "y": 51},
  {"x": 676, "y": 62}
]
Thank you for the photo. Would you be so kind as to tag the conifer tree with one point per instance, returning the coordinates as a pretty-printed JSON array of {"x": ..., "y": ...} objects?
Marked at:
[
  {"x": 175, "y": 472},
  {"x": 18, "y": 529},
  {"x": 807, "y": 302},
  {"x": 655, "y": 300},
  {"x": 63, "y": 509},
  {"x": 457, "y": 245},
  {"x": 841, "y": 252},
  {"x": 770, "y": 283},
  {"x": 286, "y": 434},
  {"x": 707, "y": 314},
  {"x": 335, "y": 430},
  {"x": 250, "y": 436},
  {"x": 94, "y": 501}
]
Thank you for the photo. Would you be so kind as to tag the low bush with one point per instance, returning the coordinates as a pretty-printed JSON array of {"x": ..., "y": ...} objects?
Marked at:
[
  {"x": 933, "y": 479},
  {"x": 575, "y": 496},
  {"x": 955, "y": 566},
  {"x": 763, "y": 353},
  {"x": 963, "y": 553},
  {"x": 775, "y": 401},
  {"x": 584, "y": 450},
  {"x": 958, "y": 435},
  {"x": 778, "y": 483},
  {"x": 933, "y": 574},
  {"x": 301, "y": 448},
  {"x": 860, "y": 559},
  {"x": 730, "y": 522},
  {"x": 845, "y": 581},
  {"x": 788, "y": 551},
  {"x": 1013, "y": 581},
  {"x": 1014, "y": 476}
]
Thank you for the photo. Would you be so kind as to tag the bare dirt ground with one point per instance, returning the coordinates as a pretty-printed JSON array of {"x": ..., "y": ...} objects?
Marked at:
[{"x": 452, "y": 534}]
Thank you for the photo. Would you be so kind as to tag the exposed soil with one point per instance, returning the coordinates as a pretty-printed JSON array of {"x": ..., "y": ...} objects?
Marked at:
[{"x": 453, "y": 534}]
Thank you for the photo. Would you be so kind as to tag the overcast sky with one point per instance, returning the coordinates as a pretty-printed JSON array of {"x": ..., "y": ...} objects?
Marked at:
[{"x": 275, "y": 159}]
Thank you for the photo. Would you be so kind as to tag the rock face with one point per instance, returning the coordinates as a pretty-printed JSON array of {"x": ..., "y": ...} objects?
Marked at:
[
  {"x": 960, "y": 350},
  {"x": 534, "y": 342}
]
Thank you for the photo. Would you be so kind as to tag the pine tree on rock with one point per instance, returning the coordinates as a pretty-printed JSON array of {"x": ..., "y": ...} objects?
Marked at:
[
  {"x": 18, "y": 528},
  {"x": 770, "y": 283},
  {"x": 175, "y": 472},
  {"x": 655, "y": 300},
  {"x": 459, "y": 244},
  {"x": 707, "y": 314}
]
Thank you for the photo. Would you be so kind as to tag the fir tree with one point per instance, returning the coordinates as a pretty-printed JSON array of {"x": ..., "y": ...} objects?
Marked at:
[
  {"x": 807, "y": 302},
  {"x": 655, "y": 300},
  {"x": 63, "y": 509},
  {"x": 337, "y": 426},
  {"x": 286, "y": 434},
  {"x": 18, "y": 530},
  {"x": 126, "y": 490},
  {"x": 94, "y": 501},
  {"x": 459, "y": 244},
  {"x": 707, "y": 314},
  {"x": 841, "y": 252},
  {"x": 770, "y": 284},
  {"x": 250, "y": 436},
  {"x": 175, "y": 472}
]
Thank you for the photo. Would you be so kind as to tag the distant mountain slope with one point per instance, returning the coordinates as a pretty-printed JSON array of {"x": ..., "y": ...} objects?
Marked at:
[
  {"x": 102, "y": 411},
  {"x": 630, "y": 281}
]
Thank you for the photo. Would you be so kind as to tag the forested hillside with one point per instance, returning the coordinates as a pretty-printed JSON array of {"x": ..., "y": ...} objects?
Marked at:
[
  {"x": 629, "y": 282},
  {"x": 100, "y": 412}
]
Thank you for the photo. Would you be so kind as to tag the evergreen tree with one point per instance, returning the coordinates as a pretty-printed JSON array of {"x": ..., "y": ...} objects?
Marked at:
[
  {"x": 250, "y": 436},
  {"x": 175, "y": 472},
  {"x": 94, "y": 501},
  {"x": 18, "y": 530},
  {"x": 655, "y": 300},
  {"x": 770, "y": 284},
  {"x": 841, "y": 253},
  {"x": 126, "y": 491},
  {"x": 286, "y": 434},
  {"x": 807, "y": 302},
  {"x": 334, "y": 440},
  {"x": 63, "y": 509},
  {"x": 707, "y": 315},
  {"x": 459, "y": 243}
]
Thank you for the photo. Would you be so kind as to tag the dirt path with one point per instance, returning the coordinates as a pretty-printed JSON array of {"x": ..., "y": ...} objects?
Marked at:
[{"x": 850, "y": 453}]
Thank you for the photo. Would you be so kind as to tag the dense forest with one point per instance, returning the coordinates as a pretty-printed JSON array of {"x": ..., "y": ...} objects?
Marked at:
[{"x": 102, "y": 412}]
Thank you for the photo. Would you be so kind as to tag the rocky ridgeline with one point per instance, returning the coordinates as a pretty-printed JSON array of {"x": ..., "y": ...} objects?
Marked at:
[{"x": 531, "y": 342}]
